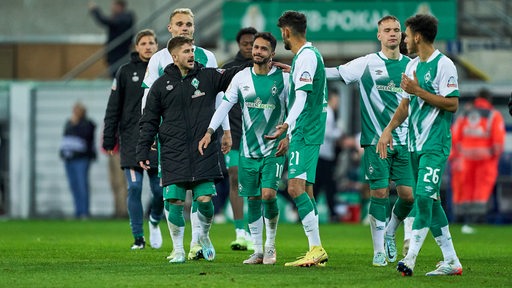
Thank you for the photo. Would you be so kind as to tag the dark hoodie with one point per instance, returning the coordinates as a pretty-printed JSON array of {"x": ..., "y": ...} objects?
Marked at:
[{"x": 179, "y": 110}]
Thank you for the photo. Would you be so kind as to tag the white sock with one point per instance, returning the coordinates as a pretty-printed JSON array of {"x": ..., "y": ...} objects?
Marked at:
[
  {"x": 408, "y": 227},
  {"x": 204, "y": 224},
  {"x": 196, "y": 227},
  {"x": 446, "y": 244},
  {"x": 168, "y": 222},
  {"x": 377, "y": 229},
  {"x": 310, "y": 225},
  {"x": 417, "y": 239},
  {"x": 271, "y": 231},
  {"x": 256, "y": 229},
  {"x": 393, "y": 224},
  {"x": 240, "y": 233},
  {"x": 176, "y": 236}
]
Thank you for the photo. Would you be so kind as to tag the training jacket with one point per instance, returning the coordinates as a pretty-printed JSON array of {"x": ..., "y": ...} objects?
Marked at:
[
  {"x": 179, "y": 110},
  {"x": 124, "y": 111}
]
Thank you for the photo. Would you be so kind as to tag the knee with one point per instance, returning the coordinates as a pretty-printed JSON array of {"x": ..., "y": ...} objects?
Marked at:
[
  {"x": 204, "y": 198},
  {"x": 405, "y": 192}
]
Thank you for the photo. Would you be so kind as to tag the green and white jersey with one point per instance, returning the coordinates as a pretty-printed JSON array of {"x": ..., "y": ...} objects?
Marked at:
[
  {"x": 429, "y": 127},
  {"x": 162, "y": 58},
  {"x": 263, "y": 102},
  {"x": 380, "y": 94},
  {"x": 308, "y": 74}
]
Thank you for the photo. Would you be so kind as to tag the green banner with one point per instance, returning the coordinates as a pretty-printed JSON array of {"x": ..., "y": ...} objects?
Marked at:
[{"x": 338, "y": 20}]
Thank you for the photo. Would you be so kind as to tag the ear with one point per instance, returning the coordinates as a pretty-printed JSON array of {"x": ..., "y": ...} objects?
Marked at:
[
  {"x": 286, "y": 32},
  {"x": 169, "y": 27}
]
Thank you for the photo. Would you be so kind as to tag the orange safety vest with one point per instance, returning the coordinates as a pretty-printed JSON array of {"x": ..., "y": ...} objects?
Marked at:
[{"x": 479, "y": 133}]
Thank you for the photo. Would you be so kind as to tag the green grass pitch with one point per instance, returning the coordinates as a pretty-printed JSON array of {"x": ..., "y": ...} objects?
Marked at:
[{"x": 95, "y": 253}]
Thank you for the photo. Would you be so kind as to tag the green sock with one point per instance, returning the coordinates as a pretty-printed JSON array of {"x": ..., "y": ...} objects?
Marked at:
[
  {"x": 439, "y": 219},
  {"x": 254, "y": 211},
  {"x": 423, "y": 218},
  {"x": 402, "y": 208},
  {"x": 205, "y": 208},
  {"x": 194, "y": 206},
  {"x": 176, "y": 215},
  {"x": 270, "y": 208},
  {"x": 313, "y": 201},
  {"x": 378, "y": 208},
  {"x": 304, "y": 205},
  {"x": 239, "y": 224}
]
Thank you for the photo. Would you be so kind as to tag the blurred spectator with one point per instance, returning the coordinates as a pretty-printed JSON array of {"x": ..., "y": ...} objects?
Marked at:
[
  {"x": 478, "y": 140},
  {"x": 77, "y": 150},
  {"x": 119, "y": 21},
  {"x": 325, "y": 180}
]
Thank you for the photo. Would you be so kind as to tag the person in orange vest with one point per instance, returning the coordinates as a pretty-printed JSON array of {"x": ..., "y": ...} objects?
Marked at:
[{"x": 478, "y": 139}]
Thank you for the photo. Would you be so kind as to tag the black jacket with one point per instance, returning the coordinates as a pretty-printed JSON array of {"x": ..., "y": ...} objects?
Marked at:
[
  {"x": 123, "y": 112},
  {"x": 235, "y": 114},
  {"x": 78, "y": 140},
  {"x": 179, "y": 110}
]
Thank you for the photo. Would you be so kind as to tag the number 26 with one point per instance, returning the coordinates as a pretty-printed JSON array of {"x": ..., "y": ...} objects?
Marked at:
[{"x": 432, "y": 172}]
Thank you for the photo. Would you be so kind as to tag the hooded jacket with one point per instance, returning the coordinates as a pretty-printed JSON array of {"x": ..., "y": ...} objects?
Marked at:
[
  {"x": 123, "y": 112},
  {"x": 179, "y": 110}
]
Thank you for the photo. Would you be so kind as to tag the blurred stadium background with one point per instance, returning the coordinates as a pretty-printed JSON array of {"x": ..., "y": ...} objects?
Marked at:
[{"x": 52, "y": 54}]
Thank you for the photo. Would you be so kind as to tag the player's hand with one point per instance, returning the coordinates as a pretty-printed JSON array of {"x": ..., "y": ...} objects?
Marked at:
[
  {"x": 226, "y": 142},
  {"x": 144, "y": 165},
  {"x": 205, "y": 141},
  {"x": 285, "y": 67},
  {"x": 282, "y": 147},
  {"x": 384, "y": 140},
  {"x": 280, "y": 129},
  {"x": 409, "y": 85}
]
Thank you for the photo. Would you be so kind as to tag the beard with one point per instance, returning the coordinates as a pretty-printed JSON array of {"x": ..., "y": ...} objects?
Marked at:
[
  {"x": 287, "y": 46},
  {"x": 261, "y": 62}
]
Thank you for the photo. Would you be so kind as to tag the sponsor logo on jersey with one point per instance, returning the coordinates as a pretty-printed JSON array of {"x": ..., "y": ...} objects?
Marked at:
[
  {"x": 259, "y": 105},
  {"x": 451, "y": 82},
  {"x": 305, "y": 77},
  {"x": 135, "y": 77},
  {"x": 391, "y": 87}
]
